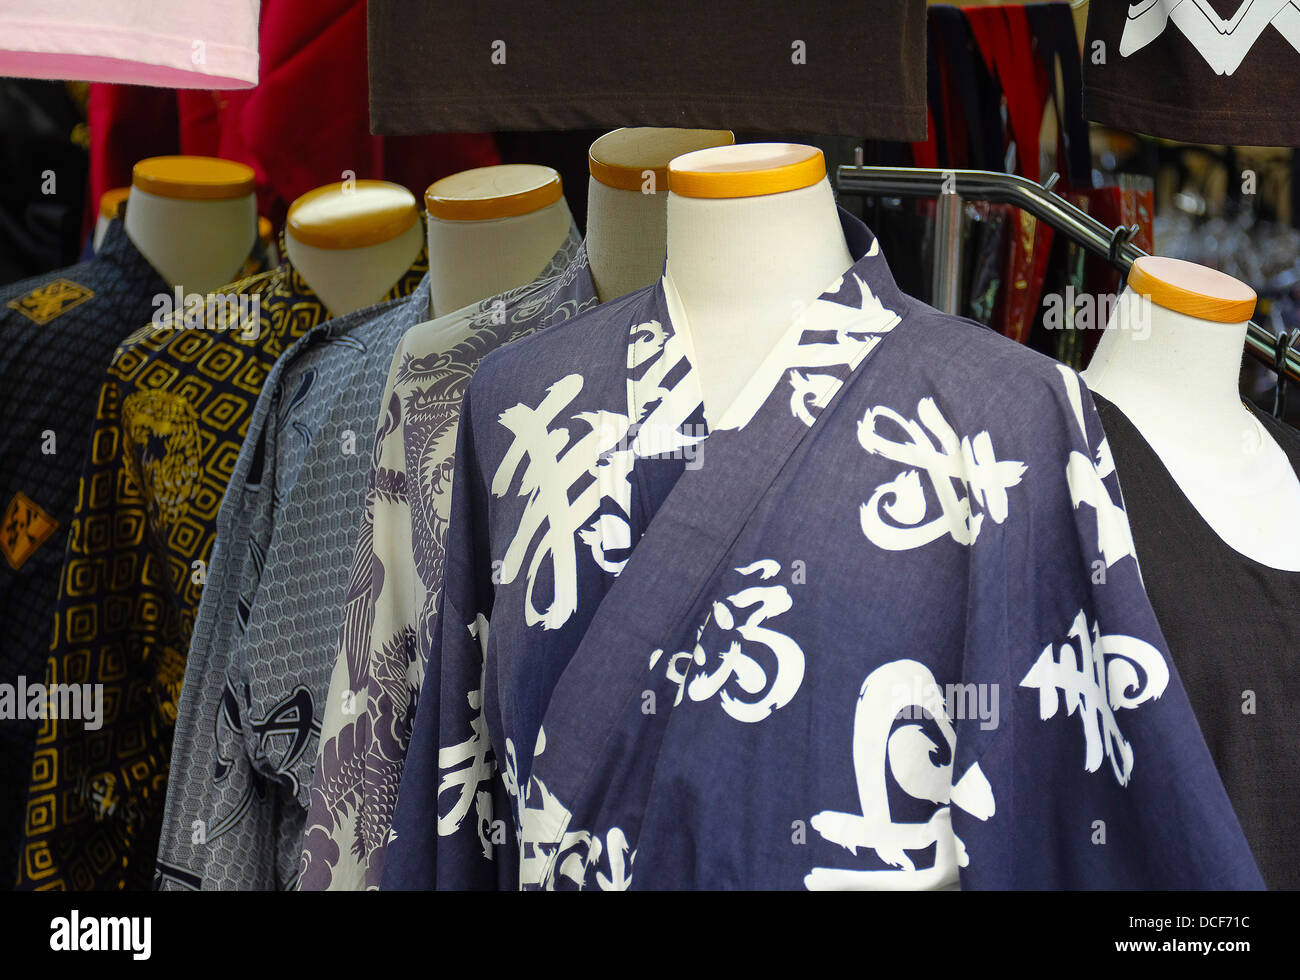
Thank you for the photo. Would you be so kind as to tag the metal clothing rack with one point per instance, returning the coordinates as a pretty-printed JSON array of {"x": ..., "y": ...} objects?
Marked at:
[{"x": 951, "y": 187}]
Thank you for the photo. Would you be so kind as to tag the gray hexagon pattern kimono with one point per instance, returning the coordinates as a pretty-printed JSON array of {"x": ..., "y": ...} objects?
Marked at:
[{"x": 881, "y": 627}]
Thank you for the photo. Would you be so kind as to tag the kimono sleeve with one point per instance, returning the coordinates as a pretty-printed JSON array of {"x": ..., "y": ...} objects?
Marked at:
[
  {"x": 444, "y": 832},
  {"x": 1096, "y": 770},
  {"x": 113, "y": 626}
]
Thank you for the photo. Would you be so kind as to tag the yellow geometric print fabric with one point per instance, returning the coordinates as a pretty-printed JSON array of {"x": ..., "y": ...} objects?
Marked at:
[{"x": 170, "y": 421}]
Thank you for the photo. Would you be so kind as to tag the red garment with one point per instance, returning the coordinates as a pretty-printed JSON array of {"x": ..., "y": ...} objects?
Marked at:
[
  {"x": 304, "y": 125},
  {"x": 126, "y": 123},
  {"x": 1006, "y": 43},
  {"x": 1004, "y": 40}
]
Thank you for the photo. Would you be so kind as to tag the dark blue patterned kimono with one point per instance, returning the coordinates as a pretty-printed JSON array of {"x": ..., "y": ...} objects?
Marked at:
[{"x": 882, "y": 627}]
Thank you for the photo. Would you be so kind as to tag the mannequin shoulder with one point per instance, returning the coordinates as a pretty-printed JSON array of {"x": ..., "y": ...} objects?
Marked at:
[
  {"x": 985, "y": 355},
  {"x": 988, "y": 380}
]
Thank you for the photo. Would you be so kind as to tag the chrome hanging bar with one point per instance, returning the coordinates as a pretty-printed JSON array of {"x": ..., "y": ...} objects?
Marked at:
[{"x": 1113, "y": 244}]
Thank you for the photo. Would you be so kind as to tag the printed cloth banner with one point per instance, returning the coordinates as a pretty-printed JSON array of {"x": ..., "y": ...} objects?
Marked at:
[{"x": 1199, "y": 71}]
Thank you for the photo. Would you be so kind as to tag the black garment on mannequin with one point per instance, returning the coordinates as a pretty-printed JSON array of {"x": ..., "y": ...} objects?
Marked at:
[
  {"x": 840, "y": 67},
  {"x": 1233, "y": 627}
]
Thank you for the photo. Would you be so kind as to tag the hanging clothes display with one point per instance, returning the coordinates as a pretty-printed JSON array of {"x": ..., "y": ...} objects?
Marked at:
[
  {"x": 293, "y": 144},
  {"x": 169, "y": 424},
  {"x": 1204, "y": 71},
  {"x": 260, "y": 655},
  {"x": 156, "y": 42},
  {"x": 1004, "y": 39},
  {"x": 397, "y": 575},
  {"x": 655, "y": 632},
  {"x": 722, "y": 65},
  {"x": 645, "y": 508}
]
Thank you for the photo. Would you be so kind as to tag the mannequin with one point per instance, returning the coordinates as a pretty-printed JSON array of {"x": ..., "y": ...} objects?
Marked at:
[
  {"x": 351, "y": 240},
  {"x": 1169, "y": 360},
  {"x": 492, "y": 229},
  {"x": 626, "y": 206},
  {"x": 753, "y": 235},
  {"x": 193, "y": 218},
  {"x": 109, "y": 203}
]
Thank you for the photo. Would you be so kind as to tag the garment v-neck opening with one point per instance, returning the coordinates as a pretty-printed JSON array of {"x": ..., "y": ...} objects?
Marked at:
[
  {"x": 733, "y": 416},
  {"x": 1182, "y": 502},
  {"x": 775, "y": 364}
]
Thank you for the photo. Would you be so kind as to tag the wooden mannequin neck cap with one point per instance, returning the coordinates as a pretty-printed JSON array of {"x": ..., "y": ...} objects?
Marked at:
[
  {"x": 746, "y": 170},
  {"x": 186, "y": 178},
  {"x": 487, "y": 193},
  {"x": 620, "y": 158},
  {"x": 111, "y": 200},
  {"x": 352, "y": 214},
  {"x": 1191, "y": 289}
]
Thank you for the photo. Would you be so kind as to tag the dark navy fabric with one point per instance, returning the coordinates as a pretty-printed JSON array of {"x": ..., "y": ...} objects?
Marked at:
[
  {"x": 881, "y": 627},
  {"x": 58, "y": 332}
]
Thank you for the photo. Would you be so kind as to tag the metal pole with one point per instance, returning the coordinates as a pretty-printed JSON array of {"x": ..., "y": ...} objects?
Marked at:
[
  {"x": 985, "y": 185},
  {"x": 945, "y": 279}
]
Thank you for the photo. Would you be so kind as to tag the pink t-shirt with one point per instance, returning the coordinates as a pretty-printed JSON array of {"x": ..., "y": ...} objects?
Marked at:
[{"x": 208, "y": 44}]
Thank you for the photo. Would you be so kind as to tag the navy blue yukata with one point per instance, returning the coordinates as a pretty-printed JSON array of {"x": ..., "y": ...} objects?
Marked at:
[{"x": 880, "y": 626}]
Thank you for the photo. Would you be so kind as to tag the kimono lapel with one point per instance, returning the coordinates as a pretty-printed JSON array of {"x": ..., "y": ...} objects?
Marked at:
[{"x": 665, "y": 580}]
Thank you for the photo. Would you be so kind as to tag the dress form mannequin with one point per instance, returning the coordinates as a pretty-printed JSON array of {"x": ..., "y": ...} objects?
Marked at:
[
  {"x": 352, "y": 240},
  {"x": 1169, "y": 360},
  {"x": 753, "y": 236},
  {"x": 492, "y": 229},
  {"x": 109, "y": 203},
  {"x": 627, "y": 199},
  {"x": 193, "y": 218}
]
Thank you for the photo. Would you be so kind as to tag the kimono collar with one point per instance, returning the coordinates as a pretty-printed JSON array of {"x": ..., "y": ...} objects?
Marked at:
[
  {"x": 559, "y": 292},
  {"x": 804, "y": 369},
  {"x": 869, "y": 265},
  {"x": 572, "y": 252},
  {"x": 568, "y": 265}
]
